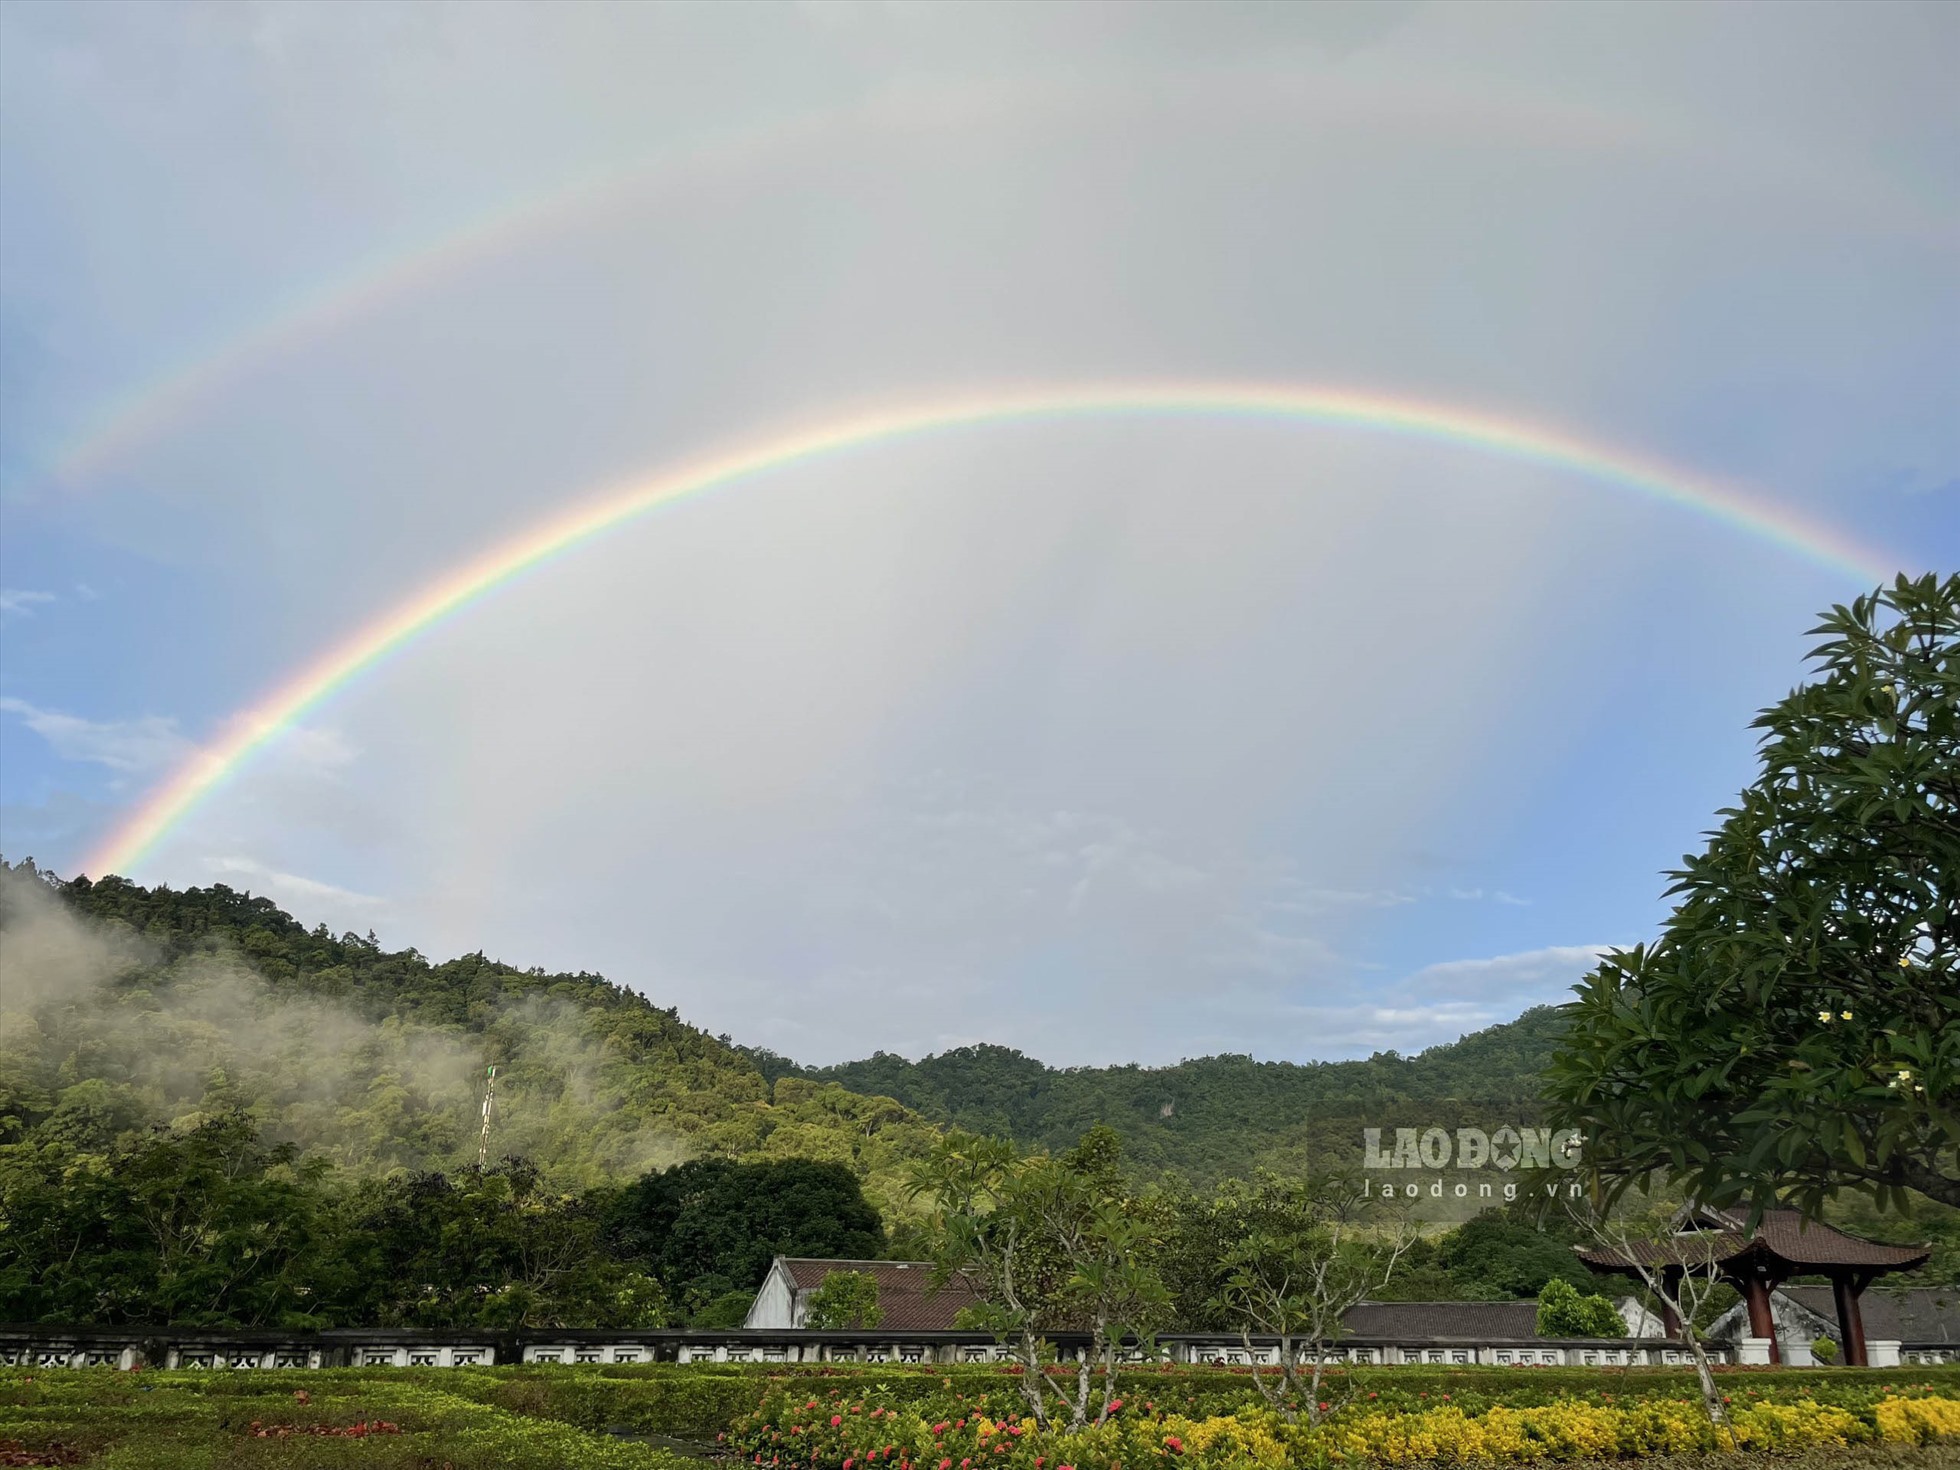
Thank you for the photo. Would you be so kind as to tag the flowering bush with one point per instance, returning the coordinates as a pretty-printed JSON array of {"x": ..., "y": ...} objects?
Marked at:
[{"x": 839, "y": 1430}]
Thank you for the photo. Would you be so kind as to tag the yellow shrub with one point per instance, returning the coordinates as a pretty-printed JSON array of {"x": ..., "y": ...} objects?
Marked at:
[
  {"x": 1574, "y": 1430},
  {"x": 1771, "y": 1426},
  {"x": 1918, "y": 1421},
  {"x": 1226, "y": 1439}
]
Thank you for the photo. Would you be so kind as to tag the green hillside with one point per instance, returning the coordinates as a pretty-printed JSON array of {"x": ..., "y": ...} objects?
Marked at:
[
  {"x": 123, "y": 1006},
  {"x": 1217, "y": 1115},
  {"x": 126, "y": 1006}
]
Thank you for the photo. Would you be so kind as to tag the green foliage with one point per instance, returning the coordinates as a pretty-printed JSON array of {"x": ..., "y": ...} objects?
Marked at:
[
  {"x": 711, "y": 1226},
  {"x": 1563, "y": 1312},
  {"x": 544, "y": 1418},
  {"x": 409, "y": 1420},
  {"x": 1796, "y": 1028},
  {"x": 1499, "y": 1256},
  {"x": 209, "y": 1226},
  {"x": 490, "y": 1248},
  {"x": 730, "y": 1309},
  {"x": 1824, "y": 1350},
  {"x": 1049, "y": 1243},
  {"x": 846, "y": 1299},
  {"x": 1229, "y": 1115},
  {"x": 128, "y": 1006}
]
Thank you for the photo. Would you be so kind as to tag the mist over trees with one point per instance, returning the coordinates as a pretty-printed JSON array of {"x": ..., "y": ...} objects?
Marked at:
[{"x": 124, "y": 1007}]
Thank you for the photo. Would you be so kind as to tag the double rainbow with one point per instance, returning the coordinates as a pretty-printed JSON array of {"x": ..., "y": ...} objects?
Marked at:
[{"x": 464, "y": 586}]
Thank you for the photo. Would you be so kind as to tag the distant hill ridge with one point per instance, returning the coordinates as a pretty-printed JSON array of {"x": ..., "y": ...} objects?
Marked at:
[
  {"x": 203, "y": 997},
  {"x": 1211, "y": 1116}
]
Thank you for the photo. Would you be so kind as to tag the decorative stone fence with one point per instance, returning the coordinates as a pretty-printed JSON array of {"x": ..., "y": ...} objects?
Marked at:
[{"x": 89, "y": 1347}]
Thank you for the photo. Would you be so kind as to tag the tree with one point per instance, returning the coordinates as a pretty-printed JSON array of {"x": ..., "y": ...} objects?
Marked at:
[
  {"x": 846, "y": 1299},
  {"x": 1050, "y": 1244},
  {"x": 1795, "y": 1030},
  {"x": 1499, "y": 1256},
  {"x": 710, "y": 1227},
  {"x": 203, "y": 1226},
  {"x": 1307, "y": 1251},
  {"x": 1564, "y": 1312},
  {"x": 1679, "y": 1265}
]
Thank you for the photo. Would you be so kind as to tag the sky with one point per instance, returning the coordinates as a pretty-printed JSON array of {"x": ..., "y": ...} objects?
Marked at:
[{"x": 1111, "y": 738}]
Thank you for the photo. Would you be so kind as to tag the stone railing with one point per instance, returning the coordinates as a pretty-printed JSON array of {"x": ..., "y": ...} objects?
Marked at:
[{"x": 80, "y": 1347}]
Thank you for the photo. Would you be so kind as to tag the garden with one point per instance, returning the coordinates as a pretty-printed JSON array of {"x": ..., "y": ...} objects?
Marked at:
[{"x": 660, "y": 1417}]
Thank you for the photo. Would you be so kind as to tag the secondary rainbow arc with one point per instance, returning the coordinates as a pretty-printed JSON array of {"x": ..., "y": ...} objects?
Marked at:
[{"x": 453, "y": 592}]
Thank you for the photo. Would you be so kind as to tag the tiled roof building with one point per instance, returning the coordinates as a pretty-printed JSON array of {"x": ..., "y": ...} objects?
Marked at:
[
  {"x": 907, "y": 1301},
  {"x": 1757, "y": 1260}
]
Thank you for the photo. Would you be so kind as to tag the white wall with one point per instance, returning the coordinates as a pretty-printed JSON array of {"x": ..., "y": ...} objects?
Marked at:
[{"x": 775, "y": 1304}]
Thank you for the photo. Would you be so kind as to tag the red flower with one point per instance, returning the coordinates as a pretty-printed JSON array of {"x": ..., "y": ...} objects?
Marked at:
[
  {"x": 835, "y": 1420},
  {"x": 1173, "y": 1444},
  {"x": 1323, "y": 1408}
]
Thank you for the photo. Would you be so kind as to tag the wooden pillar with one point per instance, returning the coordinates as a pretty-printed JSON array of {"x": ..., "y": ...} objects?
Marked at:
[
  {"x": 1671, "y": 1288},
  {"x": 1851, "y": 1321},
  {"x": 1762, "y": 1322}
]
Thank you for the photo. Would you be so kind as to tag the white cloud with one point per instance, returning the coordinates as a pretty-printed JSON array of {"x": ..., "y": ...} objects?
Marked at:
[
  {"x": 131, "y": 747},
  {"x": 337, "y": 907},
  {"x": 1500, "y": 978},
  {"x": 20, "y": 602},
  {"x": 1492, "y": 895}
]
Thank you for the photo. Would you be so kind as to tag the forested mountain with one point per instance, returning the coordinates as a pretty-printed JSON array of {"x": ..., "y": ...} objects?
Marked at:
[
  {"x": 125, "y": 1006},
  {"x": 122, "y": 1006},
  {"x": 1217, "y": 1115}
]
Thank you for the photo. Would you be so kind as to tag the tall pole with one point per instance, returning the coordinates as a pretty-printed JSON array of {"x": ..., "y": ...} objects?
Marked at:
[{"x": 489, "y": 1107}]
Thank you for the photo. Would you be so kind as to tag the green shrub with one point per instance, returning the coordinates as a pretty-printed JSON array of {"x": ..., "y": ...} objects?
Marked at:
[{"x": 1563, "y": 1312}]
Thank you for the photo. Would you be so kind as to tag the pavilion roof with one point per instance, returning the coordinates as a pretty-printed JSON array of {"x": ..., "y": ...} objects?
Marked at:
[{"x": 1799, "y": 1243}]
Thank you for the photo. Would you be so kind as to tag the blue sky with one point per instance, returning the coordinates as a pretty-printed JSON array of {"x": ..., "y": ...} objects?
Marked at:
[{"x": 1107, "y": 740}]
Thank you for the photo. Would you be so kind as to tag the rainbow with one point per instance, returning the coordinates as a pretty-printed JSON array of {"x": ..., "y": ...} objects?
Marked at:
[
  {"x": 153, "y": 406},
  {"x": 471, "y": 582}
]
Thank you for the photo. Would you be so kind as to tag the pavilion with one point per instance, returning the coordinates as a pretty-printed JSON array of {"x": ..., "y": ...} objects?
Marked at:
[{"x": 1784, "y": 1244}]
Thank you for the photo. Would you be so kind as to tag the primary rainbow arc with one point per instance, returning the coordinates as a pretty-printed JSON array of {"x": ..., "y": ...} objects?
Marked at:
[{"x": 305, "y": 690}]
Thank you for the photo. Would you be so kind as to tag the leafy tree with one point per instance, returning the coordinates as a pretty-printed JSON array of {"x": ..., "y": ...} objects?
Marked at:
[
  {"x": 730, "y": 1309},
  {"x": 1306, "y": 1252},
  {"x": 206, "y": 1226},
  {"x": 1497, "y": 1256},
  {"x": 709, "y": 1227},
  {"x": 1795, "y": 1030},
  {"x": 1050, "y": 1244},
  {"x": 490, "y": 1247},
  {"x": 1680, "y": 1269},
  {"x": 846, "y": 1299},
  {"x": 1564, "y": 1312}
]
